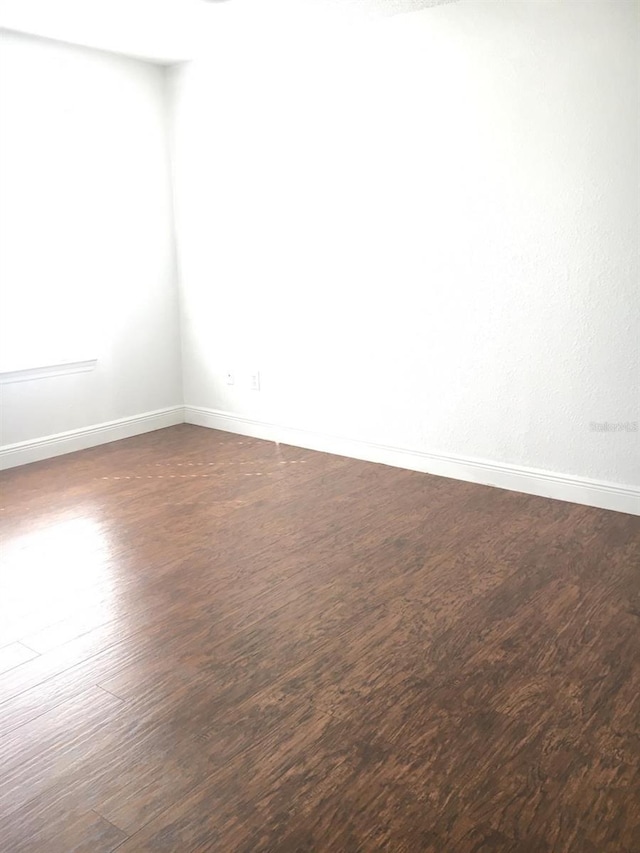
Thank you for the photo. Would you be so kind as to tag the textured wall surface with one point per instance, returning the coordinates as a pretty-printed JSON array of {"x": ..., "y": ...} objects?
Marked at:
[{"x": 423, "y": 231}]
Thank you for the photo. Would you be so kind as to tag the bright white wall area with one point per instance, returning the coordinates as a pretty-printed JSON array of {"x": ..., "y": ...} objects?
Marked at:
[
  {"x": 86, "y": 218},
  {"x": 423, "y": 231}
]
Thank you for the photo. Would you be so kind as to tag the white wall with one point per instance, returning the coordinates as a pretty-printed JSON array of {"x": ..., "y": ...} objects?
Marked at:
[
  {"x": 85, "y": 205},
  {"x": 423, "y": 231}
]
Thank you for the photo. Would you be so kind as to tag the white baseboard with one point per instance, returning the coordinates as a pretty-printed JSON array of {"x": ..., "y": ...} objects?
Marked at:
[
  {"x": 12, "y": 455},
  {"x": 515, "y": 478},
  {"x": 531, "y": 481}
]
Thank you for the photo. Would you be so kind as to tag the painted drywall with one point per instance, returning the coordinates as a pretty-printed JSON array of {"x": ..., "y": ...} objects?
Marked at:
[
  {"x": 86, "y": 198},
  {"x": 422, "y": 231}
]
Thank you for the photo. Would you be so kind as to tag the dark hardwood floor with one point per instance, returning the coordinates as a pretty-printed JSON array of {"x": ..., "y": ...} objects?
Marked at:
[{"x": 212, "y": 643}]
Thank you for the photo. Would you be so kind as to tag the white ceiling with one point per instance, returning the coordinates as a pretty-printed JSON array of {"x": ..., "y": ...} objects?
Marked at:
[
  {"x": 157, "y": 30},
  {"x": 170, "y": 30}
]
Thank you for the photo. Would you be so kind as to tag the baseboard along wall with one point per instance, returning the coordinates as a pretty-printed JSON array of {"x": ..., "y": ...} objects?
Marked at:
[
  {"x": 604, "y": 495},
  {"x": 23, "y": 452}
]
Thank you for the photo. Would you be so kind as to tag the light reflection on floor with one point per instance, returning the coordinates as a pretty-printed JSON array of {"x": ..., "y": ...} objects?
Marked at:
[{"x": 60, "y": 568}]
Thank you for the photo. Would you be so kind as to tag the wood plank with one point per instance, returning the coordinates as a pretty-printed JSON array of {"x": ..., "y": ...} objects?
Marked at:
[
  {"x": 14, "y": 654},
  {"x": 49, "y": 828},
  {"x": 255, "y": 647}
]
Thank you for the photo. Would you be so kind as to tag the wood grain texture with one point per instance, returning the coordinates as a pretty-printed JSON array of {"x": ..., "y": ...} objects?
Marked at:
[
  {"x": 14, "y": 654},
  {"x": 214, "y": 643}
]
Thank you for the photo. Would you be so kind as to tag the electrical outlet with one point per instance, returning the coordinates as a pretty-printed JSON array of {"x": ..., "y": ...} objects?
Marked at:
[
  {"x": 254, "y": 381},
  {"x": 231, "y": 379}
]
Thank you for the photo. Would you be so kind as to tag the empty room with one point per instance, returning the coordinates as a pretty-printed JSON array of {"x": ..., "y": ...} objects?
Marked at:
[{"x": 319, "y": 445}]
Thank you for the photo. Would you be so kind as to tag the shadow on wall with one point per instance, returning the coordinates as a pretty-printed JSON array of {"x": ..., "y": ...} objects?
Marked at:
[
  {"x": 392, "y": 7},
  {"x": 397, "y": 7},
  {"x": 386, "y": 8}
]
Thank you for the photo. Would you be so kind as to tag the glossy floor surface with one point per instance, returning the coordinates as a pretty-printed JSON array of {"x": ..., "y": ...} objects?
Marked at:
[{"x": 214, "y": 643}]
